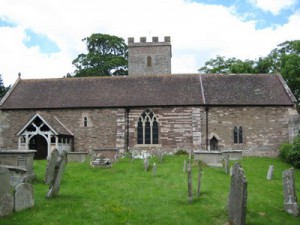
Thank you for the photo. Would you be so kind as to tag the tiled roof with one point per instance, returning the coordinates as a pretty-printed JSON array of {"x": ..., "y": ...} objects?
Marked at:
[{"x": 141, "y": 91}]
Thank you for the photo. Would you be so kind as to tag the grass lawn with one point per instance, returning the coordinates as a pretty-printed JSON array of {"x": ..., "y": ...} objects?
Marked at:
[{"x": 126, "y": 194}]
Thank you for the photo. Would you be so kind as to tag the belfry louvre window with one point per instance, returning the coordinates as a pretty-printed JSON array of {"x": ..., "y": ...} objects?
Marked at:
[
  {"x": 238, "y": 135},
  {"x": 147, "y": 128}
]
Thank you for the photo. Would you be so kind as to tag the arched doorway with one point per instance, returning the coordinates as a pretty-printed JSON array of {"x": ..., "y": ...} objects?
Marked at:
[
  {"x": 214, "y": 143},
  {"x": 39, "y": 143}
]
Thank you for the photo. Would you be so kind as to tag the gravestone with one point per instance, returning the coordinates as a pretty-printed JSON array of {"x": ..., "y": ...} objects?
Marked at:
[
  {"x": 59, "y": 171},
  {"x": 23, "y": 196},
  {"x": 154, "y": 169},
  {"x": 199, "y": 178},
  {"x": 146, "y": 164},
  {"x": 6, "y": 197},
  {"x": 226, "y": 163},
  {"x": 184, "y": 166},
  {"x": 190, "y": 185},
  {"x": 237, "y": 199},
  {"x": 290, "y": 197},
  {"x": 270, "y": 172},
  {"x": 161, "y": 156},
  {"x": 49, "y": 176}
]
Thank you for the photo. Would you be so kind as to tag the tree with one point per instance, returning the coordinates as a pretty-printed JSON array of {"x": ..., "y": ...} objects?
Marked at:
[
  {"x": 3, "y": 89},
  {"x": 285, "y": 59},
  {"x": 107, "y": 55}
]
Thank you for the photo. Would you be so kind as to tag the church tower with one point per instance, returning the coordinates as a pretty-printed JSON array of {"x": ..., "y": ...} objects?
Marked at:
[{"x": 148, "y": 58}]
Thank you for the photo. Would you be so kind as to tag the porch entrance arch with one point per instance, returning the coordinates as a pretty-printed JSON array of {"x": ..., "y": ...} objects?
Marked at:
[
  {"x": 40, "y": 144},
  {"x": 39, "y": 135}
]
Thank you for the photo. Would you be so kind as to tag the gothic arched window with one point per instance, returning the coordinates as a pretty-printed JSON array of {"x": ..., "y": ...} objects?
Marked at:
[
  {"x": 147, "y": 128},
  {"x": 85, "y": 121},
  {"x": 238, "y": 135}
]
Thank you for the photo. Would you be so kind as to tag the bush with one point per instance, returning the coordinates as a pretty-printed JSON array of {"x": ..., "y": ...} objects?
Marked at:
[
  {"x": 284, "y": 150},
  {"x": 291, "y": 152}
]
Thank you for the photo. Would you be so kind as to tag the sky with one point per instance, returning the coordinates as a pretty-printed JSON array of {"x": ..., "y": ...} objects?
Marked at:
[{"x": 40, "y": 39}]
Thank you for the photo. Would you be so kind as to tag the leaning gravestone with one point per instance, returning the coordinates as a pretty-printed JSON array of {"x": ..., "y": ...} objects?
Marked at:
[
  {"x": 270, "y": 172},
  {"x": 6, "y": 197},
  {"x": 23, "y": 196},
  {"x": 59, "y": 171},
  {"x": 290, "y": 197},
  {"x": 49, "y": 176},
  {"x": 237, "y": 199}
]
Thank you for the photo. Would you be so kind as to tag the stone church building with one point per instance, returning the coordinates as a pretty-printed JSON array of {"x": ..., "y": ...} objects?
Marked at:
[{"x": 150, "y": 109}]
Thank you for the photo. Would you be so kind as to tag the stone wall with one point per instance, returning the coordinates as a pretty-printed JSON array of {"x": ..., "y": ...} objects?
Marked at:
[
  {"x": 99, "y": 133},
  {"x": 179, "y": 128},
  {"x": 264, "y": 128}
]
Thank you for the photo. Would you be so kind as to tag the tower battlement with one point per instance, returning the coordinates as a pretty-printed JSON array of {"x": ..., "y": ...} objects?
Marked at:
[{"x": 167, "y": 40}]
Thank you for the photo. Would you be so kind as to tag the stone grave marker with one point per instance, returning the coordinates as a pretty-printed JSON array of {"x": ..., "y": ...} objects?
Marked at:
[
  {"x": 23, "y": 196},
  {"x": 50, "y": 169},
  {"x": 199, "y": 178},
  {"x": 59, "y": 171},
  {"x": 190, "y": 184},
  {"x": 6, "y": 197},
  {"x": 226, "y": 163},
  {"x": 146, "y": 164},
  {"x": 270, "y": 172},
  {"x": 290, "y": 197},
  {"x": 237, "y": 199},
  {"x": 154, "y": 169}
]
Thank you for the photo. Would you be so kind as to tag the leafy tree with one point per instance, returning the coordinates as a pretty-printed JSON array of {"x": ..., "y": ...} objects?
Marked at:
[
  {"x": 107, "y": 55},
  {"x": 285, "y": 59},
  {"x": 3, "y": 89}
]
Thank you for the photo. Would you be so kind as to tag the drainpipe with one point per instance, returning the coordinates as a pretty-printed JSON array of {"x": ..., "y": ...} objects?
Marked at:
[
  {"x": 127, "y": 129},
  {"x": 206, "y": 110}
]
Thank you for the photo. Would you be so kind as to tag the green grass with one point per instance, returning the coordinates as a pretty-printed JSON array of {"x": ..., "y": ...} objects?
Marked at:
[{"x": 126, "y": 194}]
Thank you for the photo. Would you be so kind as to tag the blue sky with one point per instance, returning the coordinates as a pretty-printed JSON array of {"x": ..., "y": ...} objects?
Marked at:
[
  {"x": 264, "y": 13},
  {"x": 41, "y": 38}
]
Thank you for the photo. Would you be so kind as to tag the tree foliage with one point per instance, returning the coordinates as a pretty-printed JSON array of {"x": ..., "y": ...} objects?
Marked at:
[
  {"x": 107, "y": 55},
  {"x": 3, "y": 89},
  {"x": 285, "y": 59}
]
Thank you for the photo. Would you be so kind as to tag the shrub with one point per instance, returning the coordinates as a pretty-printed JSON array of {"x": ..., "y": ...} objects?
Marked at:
[
  {"x": 181, "y": 152},
  {"x": 291, "y": 152},
  {"x": 284, "y": 150}
]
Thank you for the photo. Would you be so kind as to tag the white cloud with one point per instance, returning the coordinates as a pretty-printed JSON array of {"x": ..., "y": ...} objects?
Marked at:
[
  {"x": 273, "y": 6},
  {"x": 198, "y": 32}
]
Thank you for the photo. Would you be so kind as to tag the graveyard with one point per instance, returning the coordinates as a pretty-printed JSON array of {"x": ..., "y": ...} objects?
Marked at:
[{"x": 126, "y": 193}]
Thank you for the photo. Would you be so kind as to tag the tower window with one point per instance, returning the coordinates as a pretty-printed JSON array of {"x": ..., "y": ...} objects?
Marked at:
[
  {"x": 149, "y": 61},
  {"x": 147, "y": 128}
]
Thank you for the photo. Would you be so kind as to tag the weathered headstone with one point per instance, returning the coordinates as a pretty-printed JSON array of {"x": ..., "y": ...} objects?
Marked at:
[
  {"x": 161, "y": 156},
  {"x": 24, "y": 196},
  {"x": 154, "y": 169},
  {"x": 290, "y": 197},
  {"x": 6, "y": 197},
  {"x": 237, "y": 199},
  {"x": 49, "y": 176},
  {"x": 226, "y": 163},
  {"x": 146, "y": 164},
  {"x": 270, "y": 172},
  {"x": 59, "y": 171},
  {"x": 199, "y": 178},
  {"x": 190, "y": 185},
  {"x": 184, "y": 166},
  {"x": 230, "y": 171}
]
